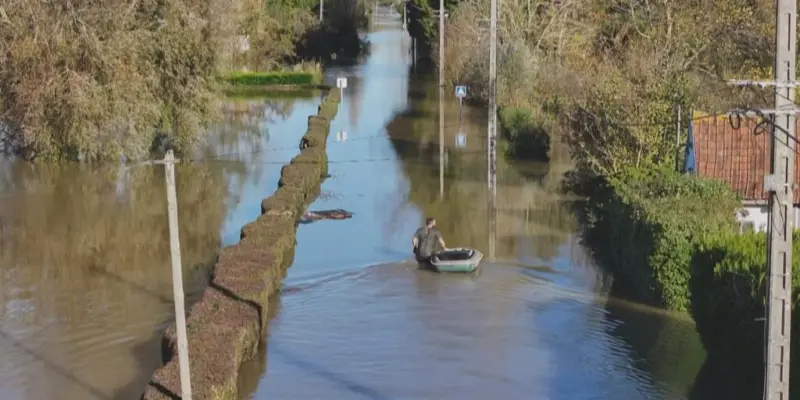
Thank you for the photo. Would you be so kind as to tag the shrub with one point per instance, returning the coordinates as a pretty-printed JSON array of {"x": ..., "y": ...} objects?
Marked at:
[
  {"x": 728, "y": 289},
  {"x": 527, "y": 138},
  {"x": 643, "y": 223}
]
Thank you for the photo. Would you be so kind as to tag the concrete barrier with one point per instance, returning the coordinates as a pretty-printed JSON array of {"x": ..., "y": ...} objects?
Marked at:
[{"x": 224, "y": 328}]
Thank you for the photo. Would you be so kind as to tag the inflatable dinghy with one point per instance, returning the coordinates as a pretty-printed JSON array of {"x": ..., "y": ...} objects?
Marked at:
[{"x": 457, "y": 260}]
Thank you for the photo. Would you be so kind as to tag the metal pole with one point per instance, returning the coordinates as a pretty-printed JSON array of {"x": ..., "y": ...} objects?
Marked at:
[
  {"x": 492, "y": 142},
  {"x": 460, "y": 106},
  {"x": 405, "y": 17},
  {"x": 441, "y": 97},
  {"x": 320, "y": 9},
  {"x": 678, "y": 138},
  {"x": 441, "y": 141},
  {"x": 177, "y": 277},
  {"x": 441, "y": 43},
  {"x": 781, "y": 210},
  {"x": 492, "y": 227},
  {"x": 415, "y": 55}
]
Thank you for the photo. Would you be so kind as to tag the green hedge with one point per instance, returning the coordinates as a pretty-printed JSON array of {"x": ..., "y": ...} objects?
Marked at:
[
  {"x": 642, "y": 225},
  {"x": 527, "y": 138},
  {"x": 272, "y": 78},
  {"x": 728, "y": 289}
]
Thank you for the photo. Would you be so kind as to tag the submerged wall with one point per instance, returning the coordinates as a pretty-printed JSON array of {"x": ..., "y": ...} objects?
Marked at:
[{"x": 224, "y": 328}]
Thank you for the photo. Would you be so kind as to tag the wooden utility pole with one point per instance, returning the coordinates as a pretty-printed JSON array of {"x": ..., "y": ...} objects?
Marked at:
[
  {"x": 780, "y": 186},
  {"x": 177, "y": 277}
]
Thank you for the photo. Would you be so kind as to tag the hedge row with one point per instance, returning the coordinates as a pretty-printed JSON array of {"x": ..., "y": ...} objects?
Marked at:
[
  {"x": 254, "y": 78},
  {"x": 225, "y": 326},
  {"x": 643, "y": 225},
  {"x": 728, "y": 289}
]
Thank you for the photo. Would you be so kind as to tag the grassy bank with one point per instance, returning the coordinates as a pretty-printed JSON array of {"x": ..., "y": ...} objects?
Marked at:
[
  {"x": 225, "y": 326},
  {"x": 255, "y": 82}
]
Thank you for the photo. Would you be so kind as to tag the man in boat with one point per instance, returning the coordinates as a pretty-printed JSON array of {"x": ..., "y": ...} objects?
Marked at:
[{"x": 425, "y": 241}]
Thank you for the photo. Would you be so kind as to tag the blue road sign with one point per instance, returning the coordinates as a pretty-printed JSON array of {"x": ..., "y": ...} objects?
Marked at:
[
  {"x": 461, "y": 91},
  {"x": 461, "y": 140}
]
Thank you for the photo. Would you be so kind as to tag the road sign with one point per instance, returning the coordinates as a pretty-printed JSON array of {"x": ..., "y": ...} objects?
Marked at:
[
  {"x": 341, "y": 83},
  {"x": 461, "y": 91},
  {"x": 341, "y": 136},
  {"x": 461, "y": 140}
]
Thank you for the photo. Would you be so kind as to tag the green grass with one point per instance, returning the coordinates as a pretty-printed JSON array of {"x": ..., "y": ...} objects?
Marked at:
[
  {"x": 273, "y": 78},
  {"x": 272, "y": 92}
]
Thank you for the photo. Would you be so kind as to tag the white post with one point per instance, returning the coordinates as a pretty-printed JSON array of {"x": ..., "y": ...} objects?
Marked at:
[
  {"x": 177, "y": 277},
  {"x": 492, "y": 131}
]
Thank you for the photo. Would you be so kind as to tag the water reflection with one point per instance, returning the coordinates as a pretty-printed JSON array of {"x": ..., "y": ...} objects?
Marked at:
[
  {"x": 85, "y": 279},
  {"x": 538, "y": 323}
]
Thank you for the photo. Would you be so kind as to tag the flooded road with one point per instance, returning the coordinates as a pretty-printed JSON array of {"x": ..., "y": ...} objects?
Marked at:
[
  {"x": 357, "y": 320},
  {"x": 85, "y": 281},
  {"x": 86, "y": 289}
]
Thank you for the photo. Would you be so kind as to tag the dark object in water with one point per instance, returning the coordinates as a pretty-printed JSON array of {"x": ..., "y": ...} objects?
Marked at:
[{"x": 311, "y": 216}]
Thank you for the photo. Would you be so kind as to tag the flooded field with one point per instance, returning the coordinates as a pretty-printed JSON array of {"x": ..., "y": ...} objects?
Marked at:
[
  {"x": 86, "y": 286},
  {"x": 84, "y": 253}
]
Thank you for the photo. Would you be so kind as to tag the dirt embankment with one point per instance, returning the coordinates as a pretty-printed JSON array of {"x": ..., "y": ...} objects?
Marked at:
[{"x": 225, "y": 326}]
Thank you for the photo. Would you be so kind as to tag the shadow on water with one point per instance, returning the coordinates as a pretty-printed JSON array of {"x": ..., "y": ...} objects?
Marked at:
[
  {"x": 664, "y": 344},
  {"x": 85, "y": 277}
]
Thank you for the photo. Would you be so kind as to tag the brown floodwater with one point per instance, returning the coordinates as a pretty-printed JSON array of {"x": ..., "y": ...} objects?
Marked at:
[
  {"x": 85, "y": 281},
  {"x": 358, "y": 320},
  {"x": 86, "y": 290}
]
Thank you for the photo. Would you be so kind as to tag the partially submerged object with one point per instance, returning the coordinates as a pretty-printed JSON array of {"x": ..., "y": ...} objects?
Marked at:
[
  {"x": 338, "y": 213},
  {"x": 457, "y": 260}
]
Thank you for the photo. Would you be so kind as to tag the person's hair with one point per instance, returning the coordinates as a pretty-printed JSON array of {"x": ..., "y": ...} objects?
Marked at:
[{"x": 429, "y": 220}]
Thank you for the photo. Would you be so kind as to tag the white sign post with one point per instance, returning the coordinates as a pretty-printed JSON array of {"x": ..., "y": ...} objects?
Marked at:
[
  {"x": 461, "y": 140},
  {"x": 341, "y": 83},
  {"x": 341, "y": 136},
  {"x": 461, "y": 93}
]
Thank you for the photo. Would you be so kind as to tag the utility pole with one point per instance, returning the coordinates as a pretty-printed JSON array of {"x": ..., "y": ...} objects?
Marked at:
[
  {"x": 177, "y": 277},
  {"x": 441, "y": 142},
  {"x": 492, "y": 133},
  {"x": 677, "y": 137},
  {"x": 441, "y": 44},
  {"x": 779, "y": 260},
  {"x": 780, "y": 186},
  {"x": 320, "y": 9},
  {"x": 441, "y": 98}
]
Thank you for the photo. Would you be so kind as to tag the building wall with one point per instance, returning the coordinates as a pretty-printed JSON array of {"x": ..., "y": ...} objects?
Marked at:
[{"x": 757, "y": 215}]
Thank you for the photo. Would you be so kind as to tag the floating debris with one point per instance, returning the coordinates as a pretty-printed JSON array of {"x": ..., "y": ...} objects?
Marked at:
[{"x": 338, "y": 213}]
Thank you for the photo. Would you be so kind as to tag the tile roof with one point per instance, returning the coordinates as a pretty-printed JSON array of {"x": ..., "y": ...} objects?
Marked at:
[{"x": 735, "y": 156}]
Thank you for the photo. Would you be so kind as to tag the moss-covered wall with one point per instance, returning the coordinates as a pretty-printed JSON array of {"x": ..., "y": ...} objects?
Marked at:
[{"x": 225, "y": 326}]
